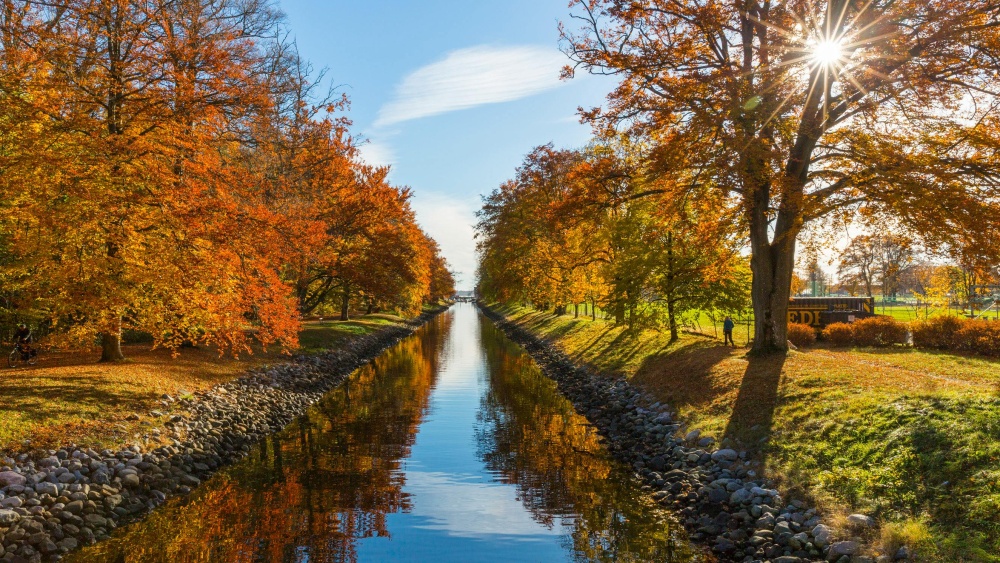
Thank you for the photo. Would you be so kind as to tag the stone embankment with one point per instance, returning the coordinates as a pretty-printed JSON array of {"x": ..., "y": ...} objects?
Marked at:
[
  {"x": 52, "y": 503},
  {"x": 716, "y": 494}
]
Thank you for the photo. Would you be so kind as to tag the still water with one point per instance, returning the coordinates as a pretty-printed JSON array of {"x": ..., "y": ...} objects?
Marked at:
[{"x": 451, "y": 446}]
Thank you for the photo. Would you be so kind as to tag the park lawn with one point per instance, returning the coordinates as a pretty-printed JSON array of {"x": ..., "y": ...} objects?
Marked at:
[
  {"x": 70, "y": 398},
  {"x": 910, "y": 437}
]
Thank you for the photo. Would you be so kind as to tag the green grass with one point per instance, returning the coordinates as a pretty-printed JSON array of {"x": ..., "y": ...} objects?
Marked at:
[
  {"x": 70, "y": 398},
  {"x": 321, "y": 335},
  {"x": 911, "y": 437}
]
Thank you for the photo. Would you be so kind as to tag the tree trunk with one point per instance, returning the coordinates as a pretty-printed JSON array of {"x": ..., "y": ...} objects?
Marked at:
[
  {"x": 345, "y": 303},
  {"x": 772, "y": 264},
  {"x": 593, "y": 309},
  {"x": 671, "y": 316},
  {"x": 576, "y": 310},
  {"x": 111, "y": 345},
  {"x": 674, "y": 336}
]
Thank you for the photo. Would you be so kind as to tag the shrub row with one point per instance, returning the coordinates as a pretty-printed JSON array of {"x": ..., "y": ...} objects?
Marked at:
[
  {"x": 938, "y": 333},
  {"x": 873, "y": 331},
  {"x": 954, "y": 333}
]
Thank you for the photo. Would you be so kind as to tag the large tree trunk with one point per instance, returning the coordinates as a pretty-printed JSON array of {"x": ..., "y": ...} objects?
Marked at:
[
  {"x": 772, "y": 264},
  {"x": 111, "y": 345},
  {"x": 345, "y": 303}
]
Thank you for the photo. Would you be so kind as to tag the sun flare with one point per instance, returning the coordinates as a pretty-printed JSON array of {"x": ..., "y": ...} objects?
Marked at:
[{"x": 827, "y": 53}]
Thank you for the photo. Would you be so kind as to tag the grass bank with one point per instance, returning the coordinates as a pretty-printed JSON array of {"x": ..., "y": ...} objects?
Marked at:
[
  {"x": 909, "y": 437},
  {"x": 70, "y": 398}
]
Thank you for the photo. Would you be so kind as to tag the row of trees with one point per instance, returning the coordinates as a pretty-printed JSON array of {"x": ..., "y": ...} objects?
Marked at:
[
  {"x": 807, "y": 114},
  {"x": 890, "y": 264},
  {"x": 596, "y": 227},
  {"x": 171, "y": 166}
]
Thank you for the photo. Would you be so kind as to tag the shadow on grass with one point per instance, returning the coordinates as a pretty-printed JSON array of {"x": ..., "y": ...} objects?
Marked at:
[
  {"x": 752, "y": 418},
  {"x": 682, "y": 374},
  {"x": 43, "y": 401}
]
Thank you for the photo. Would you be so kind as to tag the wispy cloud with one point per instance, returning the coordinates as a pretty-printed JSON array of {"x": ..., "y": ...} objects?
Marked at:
[
  {"x": 377, "y": 153},
  {"x": 472, "y": 77}
]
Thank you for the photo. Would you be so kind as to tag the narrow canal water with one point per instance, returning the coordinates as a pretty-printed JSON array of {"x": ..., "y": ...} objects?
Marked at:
[{"x": 451, "y": 446}]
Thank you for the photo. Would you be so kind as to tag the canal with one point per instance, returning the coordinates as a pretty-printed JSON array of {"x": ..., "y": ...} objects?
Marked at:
[{"x": 451, "y": 446}]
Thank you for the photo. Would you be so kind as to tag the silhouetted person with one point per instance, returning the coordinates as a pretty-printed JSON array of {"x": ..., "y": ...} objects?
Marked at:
[{"x": 727, "y": 331}]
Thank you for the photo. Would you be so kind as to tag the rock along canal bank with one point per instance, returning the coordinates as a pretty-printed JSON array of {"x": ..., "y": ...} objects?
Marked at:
[
  {"x": 51, "y": 504},
  {"x": 720, "y": 500}
]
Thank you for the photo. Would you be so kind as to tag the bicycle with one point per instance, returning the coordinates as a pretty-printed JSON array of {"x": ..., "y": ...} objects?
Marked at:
[{"x": 22, "y": 354}]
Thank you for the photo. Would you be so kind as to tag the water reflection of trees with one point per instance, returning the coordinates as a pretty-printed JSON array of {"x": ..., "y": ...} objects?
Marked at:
[
  {"x": 310, "y": 492},
  {"x": 531, "y": 437}
]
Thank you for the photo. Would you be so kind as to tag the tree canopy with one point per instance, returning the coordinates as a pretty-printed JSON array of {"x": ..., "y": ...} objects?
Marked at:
[
  {"x": 799, "y": 112},
  {"x": 173, "y": 167}
]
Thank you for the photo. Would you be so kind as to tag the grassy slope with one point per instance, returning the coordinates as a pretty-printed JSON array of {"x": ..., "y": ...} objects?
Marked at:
[
  {"x": 911, "y": 437},
  {"x": 69, "y": 397}
]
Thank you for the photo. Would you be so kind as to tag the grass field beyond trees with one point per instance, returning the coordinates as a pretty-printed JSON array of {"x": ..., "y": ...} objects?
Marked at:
[
  {"x": 70, "y": 398},
  {"x": 910, "y": 437}
]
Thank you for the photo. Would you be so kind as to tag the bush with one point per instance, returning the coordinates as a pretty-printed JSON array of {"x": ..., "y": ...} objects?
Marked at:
[
  {"x": 979, "y": 336},
  {"x": 945, "y": 332},
  {"x": 937, "y": 332},
  {"x": 801, "y": 335},
  {"x": 839, "y": 334},
  {"x": 879, "y": 331}
]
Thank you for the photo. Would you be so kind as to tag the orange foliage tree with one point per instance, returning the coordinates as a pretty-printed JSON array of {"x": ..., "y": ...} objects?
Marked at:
[
  {"x": 800, "y": 111},
  {"x": 169, "y": 168}
]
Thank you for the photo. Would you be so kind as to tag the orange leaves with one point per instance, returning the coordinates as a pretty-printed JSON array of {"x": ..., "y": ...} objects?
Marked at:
[{"x": 172, "y": 170}]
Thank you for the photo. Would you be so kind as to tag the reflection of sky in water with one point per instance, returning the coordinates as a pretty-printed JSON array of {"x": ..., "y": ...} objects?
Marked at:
[
  {"x": 458, "y": 512},
  {"x": 467, "y": 506}
]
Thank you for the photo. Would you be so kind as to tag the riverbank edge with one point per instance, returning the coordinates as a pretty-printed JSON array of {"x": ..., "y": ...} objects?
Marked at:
[
  {"x": 51, "y": 505},
  {"x": 717, "y": 497}
]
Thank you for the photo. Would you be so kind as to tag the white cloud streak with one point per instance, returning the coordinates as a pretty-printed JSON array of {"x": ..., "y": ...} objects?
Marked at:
[
  {"x": 377, "y": 153},
  {"x": 473, "y": 77}
]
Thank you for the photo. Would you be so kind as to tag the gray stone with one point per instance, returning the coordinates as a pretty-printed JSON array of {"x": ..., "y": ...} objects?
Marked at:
[
  {"x": 788, "y": 559},
  {"x": 67, "y": 544},
  {"x": 692, "y": 435},
  {"x": 46, "y": 488},
  {"x": 8, "y": 517},
  {"x": 718, "y": 496},
  {"x": 740, "y": 496},
  {"x": 841, "y": 548},
  {"x": 8, "y": 478},
  {"x": 903, "y": 553},
  {"x": 725, "y": 455},
  {"x": 130, "y": 480},
  {"x": 860, "y": 521},
  {"x": 12, "y": 502},
  {"x": 821, "y": 534}
]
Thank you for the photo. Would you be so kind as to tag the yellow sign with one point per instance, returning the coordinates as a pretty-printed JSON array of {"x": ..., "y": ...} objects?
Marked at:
[{"x": 805, "y": 316}]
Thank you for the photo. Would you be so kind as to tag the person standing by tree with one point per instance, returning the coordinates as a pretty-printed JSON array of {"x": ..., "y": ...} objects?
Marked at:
[{"x": 727, "y": 331}]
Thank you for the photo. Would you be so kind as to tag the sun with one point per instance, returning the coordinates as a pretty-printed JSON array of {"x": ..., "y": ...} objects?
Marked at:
[{"x": 827, "y": 53}]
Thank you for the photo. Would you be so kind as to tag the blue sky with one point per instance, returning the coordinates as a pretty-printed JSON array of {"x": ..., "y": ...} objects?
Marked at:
[{"x": 451, "y": 93}]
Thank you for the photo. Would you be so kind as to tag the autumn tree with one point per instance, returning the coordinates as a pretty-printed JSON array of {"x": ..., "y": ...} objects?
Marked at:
[
  {"x": 858, "y": 263},
  {"x": 800, "y": 111},
  {"x": 595, "y": 225},
  {"x": 170, "y": 166}
]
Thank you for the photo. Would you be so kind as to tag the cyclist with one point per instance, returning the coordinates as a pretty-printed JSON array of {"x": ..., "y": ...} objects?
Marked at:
[{"x": 23, "y": 339}]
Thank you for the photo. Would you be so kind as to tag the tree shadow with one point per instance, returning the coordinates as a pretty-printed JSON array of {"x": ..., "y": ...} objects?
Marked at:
[
  {"x": 682, "y": 374},
  {"x": 36, "y": 404},
  {"x": 752, "y": 418}
]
